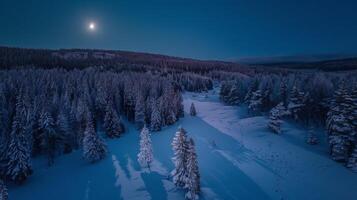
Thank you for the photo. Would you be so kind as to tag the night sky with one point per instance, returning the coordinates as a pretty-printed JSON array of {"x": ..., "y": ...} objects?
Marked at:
[{"x": 189, "y": 28}]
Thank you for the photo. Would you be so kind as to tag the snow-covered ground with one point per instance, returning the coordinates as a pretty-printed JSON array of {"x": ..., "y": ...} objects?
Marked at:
[
  {"x": 283, "y": 166},
  {"x": 239, "y": 158}
]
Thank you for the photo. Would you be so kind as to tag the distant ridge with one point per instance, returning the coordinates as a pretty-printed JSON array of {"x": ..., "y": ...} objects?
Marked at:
[
  {"x": 294, "y": 58},
  {"x": 79, "y": 58}
]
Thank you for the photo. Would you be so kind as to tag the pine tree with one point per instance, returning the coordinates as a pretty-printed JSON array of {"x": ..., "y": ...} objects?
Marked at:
[
  {"x": 18, "y": 166},
  {"x": 50, "y": 140},
  {"x": 192, "y": 183},
  {"x": 94, "y": 148},
  {"x": 193, "y": 110},
  {"x": 3, "y": 191},
  {"x": 112, "y": 123},
  {"x": 179, "y": 146},
  {"x": 338, "y": 126},
  {"x": 145, "y": 156},
  {"x": 155, "y": 117},
  {"x": 296, "y": 102},
  {"x": 275, "y": 116},
  {"x": 284, "y": 92},
  {"x": 252, "y": 88},
  {"x": 350, "y": 112},
  {"x": 139, "y": 112},
  {"x": 224, "y": 91},
  {"x": 64, "y": 129},
  {"x": 352, "y": 161},
  {"x": 234, "y": 95},
  {"x": 256, "y": 101}
]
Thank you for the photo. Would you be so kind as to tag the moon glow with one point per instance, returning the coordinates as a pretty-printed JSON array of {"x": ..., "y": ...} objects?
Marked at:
[{"x": 91, "y": 26}]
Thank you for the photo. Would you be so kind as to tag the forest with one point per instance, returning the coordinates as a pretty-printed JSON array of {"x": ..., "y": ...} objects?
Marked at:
[{"x": 52, "y": 111}]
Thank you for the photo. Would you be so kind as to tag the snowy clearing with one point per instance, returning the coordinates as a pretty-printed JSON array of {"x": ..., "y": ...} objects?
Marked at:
[{"x": 284, "y": 166}]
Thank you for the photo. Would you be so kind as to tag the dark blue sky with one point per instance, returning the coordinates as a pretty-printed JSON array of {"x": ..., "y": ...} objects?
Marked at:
[{"x": 188, "y": 28}]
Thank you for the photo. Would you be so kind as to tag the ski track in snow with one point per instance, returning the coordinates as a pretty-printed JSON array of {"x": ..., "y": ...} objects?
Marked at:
[
  {"x": 133, "y": 187},
  {"x": 87, "y": 193}
]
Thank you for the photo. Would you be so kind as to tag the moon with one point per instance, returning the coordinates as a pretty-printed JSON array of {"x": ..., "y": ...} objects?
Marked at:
[{"x": 91, "y": 26}]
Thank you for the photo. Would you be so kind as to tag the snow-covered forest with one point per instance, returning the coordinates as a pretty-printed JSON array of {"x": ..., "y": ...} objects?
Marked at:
[
  {"x": 311, "y": 99},
  {"x": 55, "y": 113},
  {"x": 49, "y": 111}
]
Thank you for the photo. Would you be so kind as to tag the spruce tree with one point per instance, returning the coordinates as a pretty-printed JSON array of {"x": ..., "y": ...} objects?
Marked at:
[
  {"x": 284, "y": 92},
  {"x": 3, "y": 191},
  {"x": 192, "y": 183},
  {"x": 50, "y": 140},
  {"x": 180, "y": 149},
  {"x": 252, "y": 88},
  {"x": 112, "y": 124},
  {"x": 139, "y": 112},
  {"x": 224, "y": 91},
  {"x": 145, "y": 156},
  {"x": 256, "y": 101},
  {"x": 64, "y": 129},
  {"x": 156, "y": 122},
  {"x": 234, "y": 95},
  {"x": 275, "y": 116},
  {"x": 338, "y": 126},
  {"x": 19, "y": 164},
  {"x": 94, "y": 148},
  {"x": 193, "y": 110},
  {"x": 296, "y": 102}
]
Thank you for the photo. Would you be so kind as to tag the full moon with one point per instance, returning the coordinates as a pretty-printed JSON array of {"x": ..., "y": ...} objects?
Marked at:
[{"x": 91, "y": 26}]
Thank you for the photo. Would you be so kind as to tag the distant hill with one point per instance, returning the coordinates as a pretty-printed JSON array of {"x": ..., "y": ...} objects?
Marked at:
[
  {"x": 80, "y": 58},
  {"x": 326, "y": 65},
  {"x": 125, "y": 60},
  {"x": 294, "y": 58}
]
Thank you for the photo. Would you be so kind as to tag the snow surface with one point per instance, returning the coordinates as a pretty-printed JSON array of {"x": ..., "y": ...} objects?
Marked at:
[
  {"x": 283, "y": 166},
  {"x": 239, "y": 158}
]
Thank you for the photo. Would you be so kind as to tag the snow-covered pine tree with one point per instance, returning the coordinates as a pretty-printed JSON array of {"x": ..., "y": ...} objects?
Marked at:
[
  {"x": 178, "y": 106},
  {"x": 193, "y": 175},
  {"x": 112, "y": 123},
  {"x": 353, "y": 115},
  {"x": 224, "y": 91},
  {"x": 170, "y": 118},
  {"x": 296, "y": 102},
  {"x": 3, "y": 191},
  {"x": 94, "y": 148},
  {"x": 19, "y": 164},
  {"x": 193, "y": 110},
  {"x": 311, "y": 137},
  {"x": 64, "y": 129},
  {"x": 267, "y": 102},
  {"x": 252, "y": 88},
  {"x": 275, "y": 116},
  {"x": 284, "y": 92},
  {"x": 352, "y": 161},
  {"x": 139, "y": 112},
  {"x": 234, "y": 97},
  {"x": 80, "y": 113},
  {"x": 256, "y": 101},
  {"x": 338, "y": 126},
  {"x": 145, "y": 156},
  {"x": 155, "y": 117},
  {"x": 50, "y": 140},
  {"x": 180, "y": 149}
]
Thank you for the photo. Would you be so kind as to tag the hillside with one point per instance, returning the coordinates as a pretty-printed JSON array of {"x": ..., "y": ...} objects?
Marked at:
[{"x": 81, "y": 58}]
